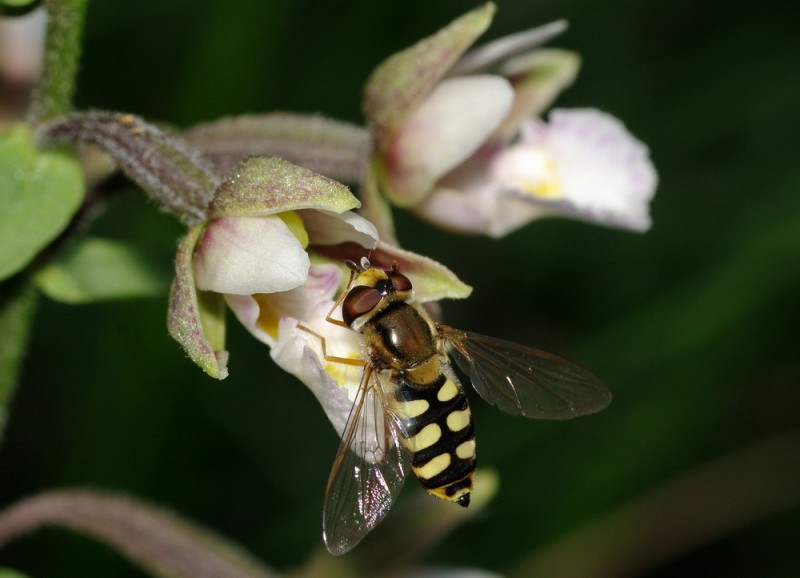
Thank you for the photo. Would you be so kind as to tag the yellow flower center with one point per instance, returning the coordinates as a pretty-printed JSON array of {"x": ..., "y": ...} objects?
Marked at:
[
  {"x": 529, "y": 171},
  {"x": 295, "y": 224},
  {"x": 268, "y": 318},
  {"x": 344, "y": 373}
]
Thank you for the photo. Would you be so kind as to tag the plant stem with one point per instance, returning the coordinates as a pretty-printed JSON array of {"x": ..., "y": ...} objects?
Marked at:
[{"x": 52, "y": 97}]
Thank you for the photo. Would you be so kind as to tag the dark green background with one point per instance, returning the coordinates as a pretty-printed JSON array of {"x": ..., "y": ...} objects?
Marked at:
[{"x": 693, "y": 325}]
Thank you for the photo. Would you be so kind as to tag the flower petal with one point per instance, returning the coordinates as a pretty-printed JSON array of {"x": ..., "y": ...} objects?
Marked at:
[
  {"x": 261, "y": 313},
  {"x": 538, "y": 78},
  {"x": 606, "y": 174},
  {"x": 432, "y": 280},
  {"x": 453, "y": 122},
  {"x": 266, "y": 185},
  {"x": 492, "y": 53},
  {"x": 299, "y": 353},
  {"x": 249, "y": 255},
  {"x": 326, "y": 228},
  {"x": 184, "y": 321},
  {"x": 22, "y": 45},
  {"x": 484, "y": 210},
  {"x": 402, "y": 81}
]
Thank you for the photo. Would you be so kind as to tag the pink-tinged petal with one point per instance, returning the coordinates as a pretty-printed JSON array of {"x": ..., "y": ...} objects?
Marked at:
[
  {"x": 22, "y": 45},
  {"x": 400, "y": 83},
  {"x": 457, "y": 210},
  {"x": 185, "y": 317},
  {"x": 495, "y": 52},
  {"x": 605, "y": 173},
  {"x": 249, "y": 255},
  {"x": 334, "y": 384},
  {"x": 486, "y": 210},
  {"x": 261, "y": 313},
  {"x": 325, "y": 228},
  {"x": 267, "y": 185},
  {"x": 451, "y": 124},
  {"x": 538, "y": 78},
  {"x": 248, "y": 311}
]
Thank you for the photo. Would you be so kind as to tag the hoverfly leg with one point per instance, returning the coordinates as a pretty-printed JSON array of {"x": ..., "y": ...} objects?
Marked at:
[
  {"x": 353, "y": 272},
  {"x": 331, "y": 358}
]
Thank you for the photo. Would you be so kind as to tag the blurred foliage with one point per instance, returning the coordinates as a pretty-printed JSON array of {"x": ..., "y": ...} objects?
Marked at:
[
  {"x": 39, "y": 194},
  {"x": 693, "y": 325}
]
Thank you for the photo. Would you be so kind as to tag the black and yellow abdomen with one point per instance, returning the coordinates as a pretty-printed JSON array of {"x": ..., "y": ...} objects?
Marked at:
[
  {"x": 436, "y": 424},
  {"x": 435, "y": 419}
]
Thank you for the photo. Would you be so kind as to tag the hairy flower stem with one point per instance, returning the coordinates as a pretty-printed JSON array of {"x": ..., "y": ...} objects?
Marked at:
[
  {"x": 155, "y": 539},
  {"x": 52, "y": 96},
  {"x": 173, "y": 173}
]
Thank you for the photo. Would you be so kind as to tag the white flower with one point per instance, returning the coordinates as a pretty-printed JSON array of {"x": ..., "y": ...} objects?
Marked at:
[
  {"x": 582, "y": 164},
  {"x": 458, "y": 139},
  {"x": 273, "y": 250},
  {"x": 293, "y": 323},
  {"x": 262, "y": 223}
]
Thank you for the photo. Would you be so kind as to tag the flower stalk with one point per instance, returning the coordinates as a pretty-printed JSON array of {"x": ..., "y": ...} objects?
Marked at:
[
  {"x": 52, "y": 96},
  {"x": 156, "y": 540}
]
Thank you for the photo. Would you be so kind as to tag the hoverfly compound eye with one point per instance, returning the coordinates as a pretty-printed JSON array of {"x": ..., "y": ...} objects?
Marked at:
[
  {"x": 399, "y": 281},
  {"x": 360, "y": 301}
]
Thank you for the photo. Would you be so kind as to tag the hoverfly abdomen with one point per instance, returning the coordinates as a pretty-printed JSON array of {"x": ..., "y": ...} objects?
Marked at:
[
  {"x": 410, "y": 405},
  {"x": 436, "y": 427}
]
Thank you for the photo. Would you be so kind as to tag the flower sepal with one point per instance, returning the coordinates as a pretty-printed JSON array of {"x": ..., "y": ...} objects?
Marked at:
[
  {"x": 195, "y": 320},
  {"x": 254, "y": 242}
]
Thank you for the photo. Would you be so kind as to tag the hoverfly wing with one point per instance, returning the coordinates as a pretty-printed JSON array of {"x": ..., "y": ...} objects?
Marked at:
[
  {"x": 525, "y": 381},
  {"x": 368, "y": 471}
]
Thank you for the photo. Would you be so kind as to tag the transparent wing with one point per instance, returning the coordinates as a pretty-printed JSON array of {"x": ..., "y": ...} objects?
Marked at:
[
  {"x": 368, "y": 471},
  {"x": 525, "y": 381}
]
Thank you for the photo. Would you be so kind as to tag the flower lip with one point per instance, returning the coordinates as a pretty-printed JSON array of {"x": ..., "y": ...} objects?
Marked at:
[{"x": 582, "y": 164}]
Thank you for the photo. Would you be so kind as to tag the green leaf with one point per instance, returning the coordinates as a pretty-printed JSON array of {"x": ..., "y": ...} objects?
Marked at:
[
  {"x": 98, "y": 270},
  {"x": 8, "y": 573},
  {"x": 17, "y": 304},
  {"x": 39, "y": 193}
]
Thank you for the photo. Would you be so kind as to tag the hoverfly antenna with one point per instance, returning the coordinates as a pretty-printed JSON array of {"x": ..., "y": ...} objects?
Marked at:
[
  {"x": 351, "y": 265},
  {"x": 365, "y": 264}
]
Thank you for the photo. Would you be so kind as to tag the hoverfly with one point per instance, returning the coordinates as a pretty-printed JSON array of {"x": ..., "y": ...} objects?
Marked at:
[{"x": 411, "y": 413}]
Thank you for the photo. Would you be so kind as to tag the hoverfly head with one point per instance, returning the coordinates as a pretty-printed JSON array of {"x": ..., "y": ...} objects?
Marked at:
[{"x": 369, "y": 287}]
